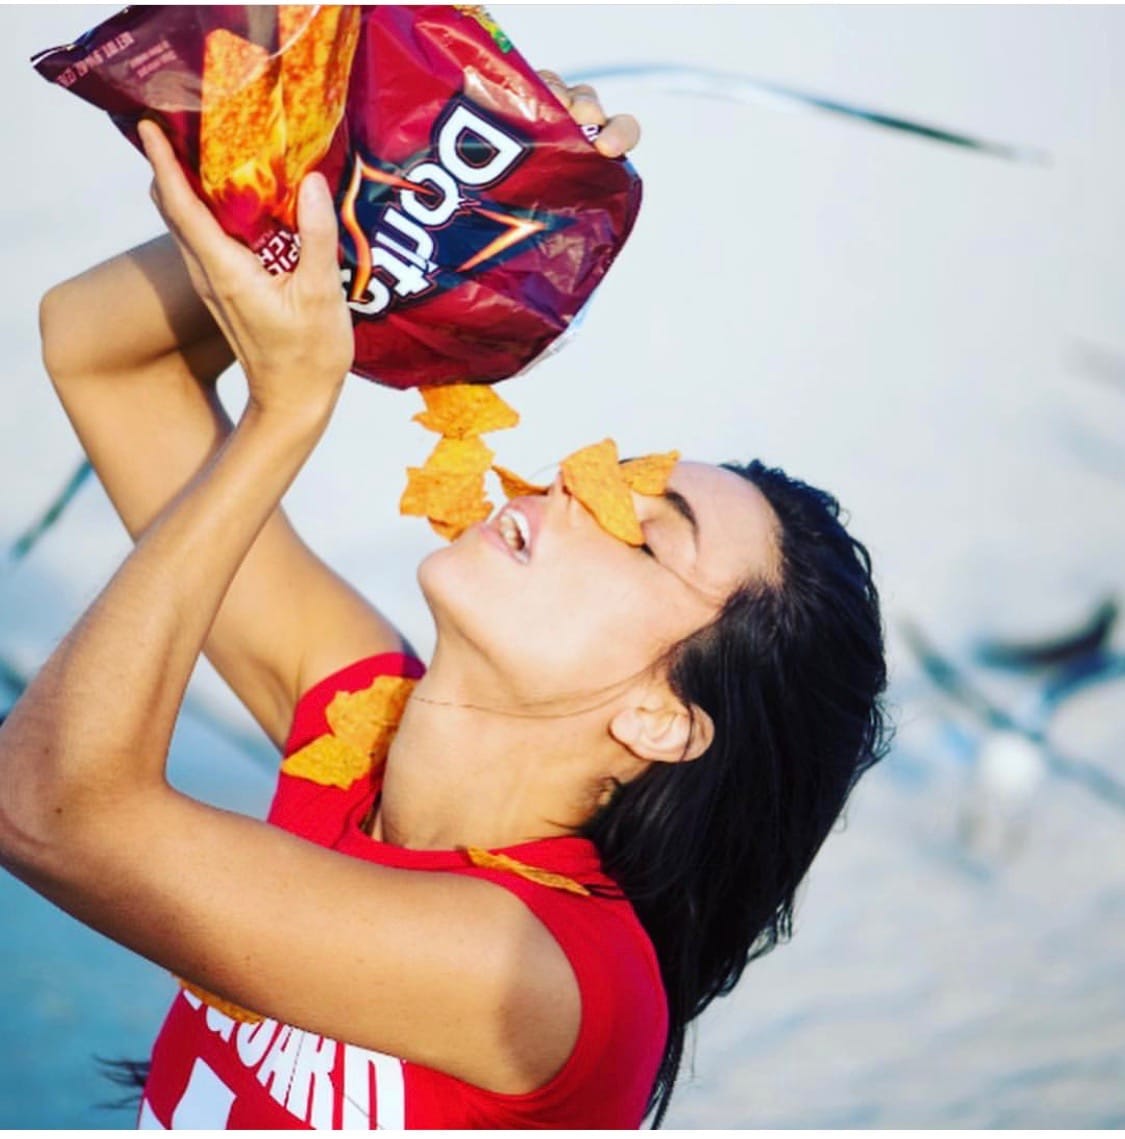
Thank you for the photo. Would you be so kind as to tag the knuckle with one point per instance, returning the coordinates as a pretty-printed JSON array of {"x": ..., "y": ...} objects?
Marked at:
[{"x": 627, "y": 128}]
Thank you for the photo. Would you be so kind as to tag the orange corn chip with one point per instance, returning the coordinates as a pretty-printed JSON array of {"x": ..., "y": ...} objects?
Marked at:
[
  {"x": 242, "y": 129},
  {"x": 318, "y": 45},
  {"x": 449, "y": 489},
  {"x": 514, "y": 486},
  {"x": 490, "y": 861},
  {"x": 367, "y": 720},
  {"x": 227, "y": 1008},
  {"x": 594, "y": 477},
  {"x": 450, "y": 531},
  {"x": 458, "y": 517},
  {"x": 459, "y": 410},
  {"x": 650, "y": 473},
  {"x": 328, "y": 761},
  {"x": 441, "y": 496},
  {"x": 459, "y": 457}
]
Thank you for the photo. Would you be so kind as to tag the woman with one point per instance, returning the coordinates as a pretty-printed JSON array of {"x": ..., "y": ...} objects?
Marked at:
[{"x": 652, "y": 774}]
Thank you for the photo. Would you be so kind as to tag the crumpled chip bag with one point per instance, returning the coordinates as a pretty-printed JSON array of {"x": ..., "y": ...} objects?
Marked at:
[{"x": 476, "y": 218}]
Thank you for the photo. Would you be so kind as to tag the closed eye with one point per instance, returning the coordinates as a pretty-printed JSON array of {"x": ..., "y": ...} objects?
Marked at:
[{"x": 647, "y": 549}]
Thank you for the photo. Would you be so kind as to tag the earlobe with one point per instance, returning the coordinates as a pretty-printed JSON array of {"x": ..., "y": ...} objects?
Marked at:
[{"x": 667, "y": 734}]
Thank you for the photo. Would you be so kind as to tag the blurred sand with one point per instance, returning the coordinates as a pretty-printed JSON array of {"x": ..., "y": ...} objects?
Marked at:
[{"x": 933, "y": 335}]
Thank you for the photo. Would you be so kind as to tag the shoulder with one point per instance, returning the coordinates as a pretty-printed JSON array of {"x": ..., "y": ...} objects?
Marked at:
[{"x": 593, "y": 952}]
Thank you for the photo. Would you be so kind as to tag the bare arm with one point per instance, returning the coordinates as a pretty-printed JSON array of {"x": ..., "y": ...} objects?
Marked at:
[
  {"x": 135, "y": 355},
  {"x": 439, "y": 969}
]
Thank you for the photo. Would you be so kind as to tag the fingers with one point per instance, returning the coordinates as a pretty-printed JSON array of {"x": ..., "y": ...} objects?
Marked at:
[
  {"x": 558, "y": 86},
  {"x": 617, "y": 135},
  {"x": 190, "y": 220},
  {"x": 319, "y": 265},
  {"x": 581, "y": 100}
]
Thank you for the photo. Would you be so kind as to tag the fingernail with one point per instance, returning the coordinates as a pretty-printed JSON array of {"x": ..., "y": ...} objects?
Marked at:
[{"x": 316, "y": 186}]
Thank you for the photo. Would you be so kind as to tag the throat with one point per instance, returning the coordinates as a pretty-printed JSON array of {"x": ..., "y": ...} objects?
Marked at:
[{"x": 449, "y": 798}]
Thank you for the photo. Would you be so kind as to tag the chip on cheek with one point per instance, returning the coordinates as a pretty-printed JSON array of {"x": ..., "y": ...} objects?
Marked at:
[{"x": 605, "y": 486}]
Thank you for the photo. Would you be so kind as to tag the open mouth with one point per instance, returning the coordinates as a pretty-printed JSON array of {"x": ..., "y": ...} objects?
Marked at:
[{"x": 515, "y": 529}]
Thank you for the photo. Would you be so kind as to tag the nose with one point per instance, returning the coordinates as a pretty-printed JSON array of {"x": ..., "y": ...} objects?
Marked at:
[{"x": 558, "y": 487}]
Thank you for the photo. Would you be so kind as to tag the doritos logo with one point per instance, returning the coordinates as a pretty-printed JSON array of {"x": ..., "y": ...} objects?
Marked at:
[{"x": 427, "y": 225}]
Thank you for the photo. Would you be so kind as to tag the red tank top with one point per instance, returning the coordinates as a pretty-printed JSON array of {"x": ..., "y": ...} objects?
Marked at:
[{"x": 210, "y": 1071}]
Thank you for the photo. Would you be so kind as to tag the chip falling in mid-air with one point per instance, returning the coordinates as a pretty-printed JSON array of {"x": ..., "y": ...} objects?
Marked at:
[{"x": 449, "y": 488}]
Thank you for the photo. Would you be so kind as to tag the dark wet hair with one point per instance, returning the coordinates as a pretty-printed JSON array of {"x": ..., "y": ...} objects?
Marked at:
[{"x": 710, "y": 852}]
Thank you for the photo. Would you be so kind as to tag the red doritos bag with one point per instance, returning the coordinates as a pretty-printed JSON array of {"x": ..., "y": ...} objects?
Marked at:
[{"x": 475, "y": 216}]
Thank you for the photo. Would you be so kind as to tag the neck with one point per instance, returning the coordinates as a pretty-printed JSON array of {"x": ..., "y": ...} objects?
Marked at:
[{"x": 467, "y": 769}]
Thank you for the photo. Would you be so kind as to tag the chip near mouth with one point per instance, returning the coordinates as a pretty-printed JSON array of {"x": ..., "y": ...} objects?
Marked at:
[{"x": 448, "y": 489}]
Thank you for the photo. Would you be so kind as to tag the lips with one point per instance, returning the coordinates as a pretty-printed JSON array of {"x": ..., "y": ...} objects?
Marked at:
[{"x": 516, "y": 527}]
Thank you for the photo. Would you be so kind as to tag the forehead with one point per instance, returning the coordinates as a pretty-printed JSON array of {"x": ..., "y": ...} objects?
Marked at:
[{"x": 737, "y": 525}]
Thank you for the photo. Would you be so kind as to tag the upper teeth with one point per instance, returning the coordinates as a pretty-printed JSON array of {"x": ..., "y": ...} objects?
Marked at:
[{"x": 514, "y": 529}]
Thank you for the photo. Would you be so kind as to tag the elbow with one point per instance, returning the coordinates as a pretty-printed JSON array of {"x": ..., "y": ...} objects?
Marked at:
[
  {"x": 43, "y": 805},
  {"x": 51, "y": 308},
  {"x": 30, "y": 827},
  {"x": 56, "y": 343},
  {"x": 50, "y": 824}
]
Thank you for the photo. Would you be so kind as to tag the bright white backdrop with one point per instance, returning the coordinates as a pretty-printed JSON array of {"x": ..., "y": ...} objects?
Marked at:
[{"x": 931, "y": 334}]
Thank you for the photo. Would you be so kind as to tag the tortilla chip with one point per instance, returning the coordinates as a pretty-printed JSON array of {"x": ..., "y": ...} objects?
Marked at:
[
  {"x": 449, "y": 488},
  {"x": 460, "y": 456},
  {"x": 328, "y": 761},
  {"x": 514, "y": 486},
  {"x": 367, "y": 720},
  {"x": 461, "y": 410},
  {"x": 594, "y": 477},
  {"x": 241, "y": 130},
  {"x": 487, "y": 860},
  {"x": 430, "y": 494},
  {"x": 650, "y": 473},
  {"x": 227, "y": 1008},
  {"x": 452, "y": 529}
]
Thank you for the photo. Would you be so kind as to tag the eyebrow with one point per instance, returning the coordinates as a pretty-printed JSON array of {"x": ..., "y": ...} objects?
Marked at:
[{"x": 683, "y": 508}]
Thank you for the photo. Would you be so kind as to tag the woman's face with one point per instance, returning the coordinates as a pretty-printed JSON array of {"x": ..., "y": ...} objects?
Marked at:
[{"x": 579, "y": 610}]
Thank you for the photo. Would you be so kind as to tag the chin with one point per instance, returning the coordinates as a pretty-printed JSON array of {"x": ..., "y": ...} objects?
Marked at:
[
  {"x": 458, "y": 589},
  {"x": 437, "y": 576},
  {"x": 474, "y": 606}
]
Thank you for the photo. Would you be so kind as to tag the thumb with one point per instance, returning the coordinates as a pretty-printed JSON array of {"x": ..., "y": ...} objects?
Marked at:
[{"x": 319, "y": 233}]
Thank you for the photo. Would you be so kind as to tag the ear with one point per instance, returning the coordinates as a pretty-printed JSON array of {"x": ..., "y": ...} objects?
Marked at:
[{"x": 660, "y": 728}]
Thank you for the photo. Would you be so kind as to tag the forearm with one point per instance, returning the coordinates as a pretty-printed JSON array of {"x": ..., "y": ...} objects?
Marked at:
[
  {"x": 134, "y": 355},
  {"x": 96, "y": 722}
]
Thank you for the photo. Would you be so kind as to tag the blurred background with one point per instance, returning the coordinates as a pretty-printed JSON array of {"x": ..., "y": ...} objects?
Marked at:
[{"x": 929, "y": 330}]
